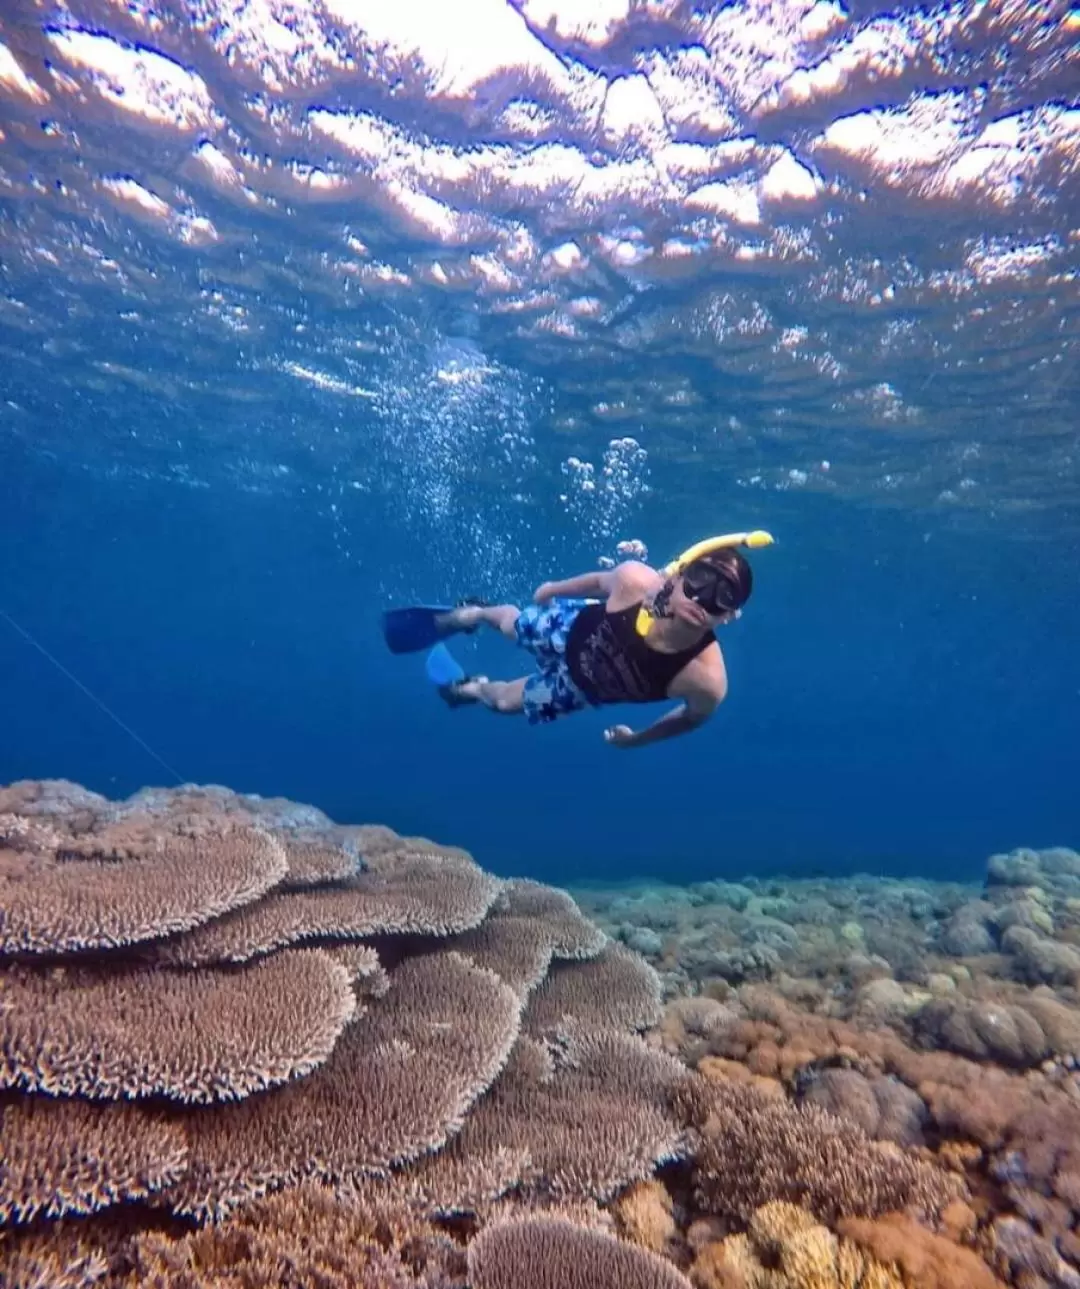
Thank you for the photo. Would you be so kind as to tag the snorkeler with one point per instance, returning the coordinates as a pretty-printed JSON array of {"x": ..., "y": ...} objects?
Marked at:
[{"x": 649, "y": 636}]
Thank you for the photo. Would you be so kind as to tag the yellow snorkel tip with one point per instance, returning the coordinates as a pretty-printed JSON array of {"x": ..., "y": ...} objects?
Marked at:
[
  {"x": 758, "y": 537},
  {"x": 754, "y": 539}
]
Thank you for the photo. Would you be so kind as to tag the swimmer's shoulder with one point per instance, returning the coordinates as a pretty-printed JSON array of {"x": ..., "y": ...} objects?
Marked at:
[{"x": 633, "y": 576}]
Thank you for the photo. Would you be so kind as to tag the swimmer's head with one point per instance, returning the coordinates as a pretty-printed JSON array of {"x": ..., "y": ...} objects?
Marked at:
[{"x": 716, "y": 585}]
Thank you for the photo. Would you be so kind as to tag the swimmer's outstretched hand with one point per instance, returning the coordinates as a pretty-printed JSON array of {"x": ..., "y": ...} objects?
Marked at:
[
  {"x": 544, "y": 592},
  {"x": 619, "y": 736}
]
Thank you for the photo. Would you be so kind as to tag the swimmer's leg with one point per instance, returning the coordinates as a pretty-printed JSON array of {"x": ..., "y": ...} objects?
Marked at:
[
  {"x": 504, "y": 696},
  {"x": 467, "y": 617}
]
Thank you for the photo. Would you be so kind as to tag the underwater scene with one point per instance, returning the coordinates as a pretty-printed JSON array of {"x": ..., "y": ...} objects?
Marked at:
[{"x": 539, "y": 617}]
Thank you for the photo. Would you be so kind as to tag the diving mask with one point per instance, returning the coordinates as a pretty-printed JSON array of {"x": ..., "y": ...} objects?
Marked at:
[
  {"x": 711, "y": 589},
  {"x": 709, "y": 583}
]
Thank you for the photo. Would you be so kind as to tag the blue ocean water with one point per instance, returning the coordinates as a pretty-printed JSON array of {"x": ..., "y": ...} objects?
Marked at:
[{"x": 235, "y": 428}]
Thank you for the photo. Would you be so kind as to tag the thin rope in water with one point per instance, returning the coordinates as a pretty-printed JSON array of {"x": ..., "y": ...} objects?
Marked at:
[{"x": 89, "y": 693}]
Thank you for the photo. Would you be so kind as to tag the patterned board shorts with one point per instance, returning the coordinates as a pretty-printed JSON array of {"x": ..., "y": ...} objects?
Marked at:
[{"x": 542, "y": 629}]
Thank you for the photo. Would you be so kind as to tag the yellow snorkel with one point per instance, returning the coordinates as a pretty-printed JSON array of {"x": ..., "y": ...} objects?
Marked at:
[{"x": 752, "y": 540}]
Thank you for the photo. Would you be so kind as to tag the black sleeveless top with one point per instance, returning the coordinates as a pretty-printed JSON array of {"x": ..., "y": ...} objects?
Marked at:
[{"x": 610, "y": 663}]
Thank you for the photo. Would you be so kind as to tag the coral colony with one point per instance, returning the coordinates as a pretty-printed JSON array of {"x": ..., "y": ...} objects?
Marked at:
[{"x": 245, "y": 1046}]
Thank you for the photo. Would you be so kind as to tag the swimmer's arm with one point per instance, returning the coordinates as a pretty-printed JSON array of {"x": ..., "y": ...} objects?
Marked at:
[
  {"x": 694, "y": 711},
  {"x": 601, "y": 584}
]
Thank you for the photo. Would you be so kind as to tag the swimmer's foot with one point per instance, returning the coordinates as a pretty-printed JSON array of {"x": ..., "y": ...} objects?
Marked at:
[
  {"x": 465, "y": 616},
  {"x": 462, "y": 692}
]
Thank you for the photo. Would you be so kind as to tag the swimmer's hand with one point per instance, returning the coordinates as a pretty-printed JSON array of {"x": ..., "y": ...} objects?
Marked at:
[
  {"x": 619, "y": 736},
  {"x": 544, "y": 592}
]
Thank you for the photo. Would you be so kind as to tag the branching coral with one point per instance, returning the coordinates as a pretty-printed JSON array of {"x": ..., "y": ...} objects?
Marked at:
[
  {"x": 644, "y": 1215},
  {"x": 584, "y": 1122},
  {"x": 122, "y": 887},
  {"x": 59, "y": 1255},
  {"x": 198, "y": 1037},
  {"x": 304, "y": 1237},
  {"x": 395, "y": 1083},
  {"x": 572, "y": 936},
  {"x": 314, "y": 861},
  {"x": 70, "y": 1157},
  {"x": 471, "y": 1048},
  {"x": 617, "y": 988},
  {"x": 552, "y": 1253},
  {"x": 517, "y": 949},
  {"x": 755, "y": 1148},
  {"x": 528, "y": 926},
  {"x": 402, "y": 892},
  {"x": 400, "y": 1080},
  {"x": 784, "y": 1248}
]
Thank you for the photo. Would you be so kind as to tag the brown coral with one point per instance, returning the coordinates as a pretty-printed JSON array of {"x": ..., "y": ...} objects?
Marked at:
[
  {"x": 399, "y": 1081},
  {"x": 580, "y": 1116},
  {"x": 785, "y": 1248},
  {"x": 70, "y": 1253},
  {"x": 582, "y": 1122},
  {"x": 316, "y": 860},
  {"x": 517, "y": 949},
  {"x": 617, "y": 989},
  {"x": 213, "y": 1035},
  {"x": 362, "y": 963},
  {"x": 572, "y": 935},
  {"x": 78, "y": 807},
  {"x": 422, "y": 893},
  {"x": 125, "y": 886},
  {"x": 303, "y": 1237},
  {"x": 985, "y": 1030},
  {"x": 527, "y": 927},
  {"x": 882, "y": 1106},
  {"x": 923, "y": 1260},
  {"x": 552, "y": 1253},
  {"x": 755, "y": 1148},
  {"x": 644, "y": 1215},
  {"x": 71, "y": 1157}
]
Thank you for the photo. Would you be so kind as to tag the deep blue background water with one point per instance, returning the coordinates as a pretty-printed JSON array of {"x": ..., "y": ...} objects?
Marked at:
[{"x": 903, "y": 698}]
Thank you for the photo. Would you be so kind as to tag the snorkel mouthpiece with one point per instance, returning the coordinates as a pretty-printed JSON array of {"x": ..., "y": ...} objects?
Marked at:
[{"x": 753, "y": 540}]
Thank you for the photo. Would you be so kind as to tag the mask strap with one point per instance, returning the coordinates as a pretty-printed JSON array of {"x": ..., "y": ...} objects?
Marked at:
[
  {"x": 648, "y": 614},
  {"x": 662, "y": 599}
]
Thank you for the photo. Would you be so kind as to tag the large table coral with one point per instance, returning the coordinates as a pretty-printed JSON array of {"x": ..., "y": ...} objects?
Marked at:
[{"x": 243, "y": 1045}]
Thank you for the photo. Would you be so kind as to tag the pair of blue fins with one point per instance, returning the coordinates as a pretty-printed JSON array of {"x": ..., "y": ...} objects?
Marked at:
[{"x": 413, "y": 629}]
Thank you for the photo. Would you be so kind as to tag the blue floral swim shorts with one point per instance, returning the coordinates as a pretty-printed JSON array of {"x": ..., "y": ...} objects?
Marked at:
[{"x": 542, "y": 629}]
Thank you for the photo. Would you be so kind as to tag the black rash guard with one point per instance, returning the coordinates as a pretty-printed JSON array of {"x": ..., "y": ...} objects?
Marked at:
[{"x": 610, "y": 663}]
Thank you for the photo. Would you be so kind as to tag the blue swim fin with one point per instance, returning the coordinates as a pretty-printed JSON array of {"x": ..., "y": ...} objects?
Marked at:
[
  {"x": 442, "y": 667},
  {"x": 410, "y": 630},
  {"x": 416, "y": 628}
]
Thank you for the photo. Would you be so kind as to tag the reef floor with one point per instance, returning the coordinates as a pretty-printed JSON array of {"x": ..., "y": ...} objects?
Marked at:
[{"x": 244, "y": 1045}]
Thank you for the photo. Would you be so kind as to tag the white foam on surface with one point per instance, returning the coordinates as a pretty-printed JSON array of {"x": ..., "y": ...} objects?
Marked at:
[
  {"x": 12, "y": 77},
  {"x": 139, "y": 81}
]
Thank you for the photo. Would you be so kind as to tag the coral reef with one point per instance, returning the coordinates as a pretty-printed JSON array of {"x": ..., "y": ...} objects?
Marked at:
[
  {"x": 446, "y": 1038},
  {"x": 755, "y": 1148},
  {"x": 112, "y": 1032},
  {"x": 552, "y": 1253},
  {"x": 243, "y": 1045},
  {"x": 939, "y": 1018},
  {"x": 784, "y": 1248},
  {"x": 303, "y": 1236}
]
